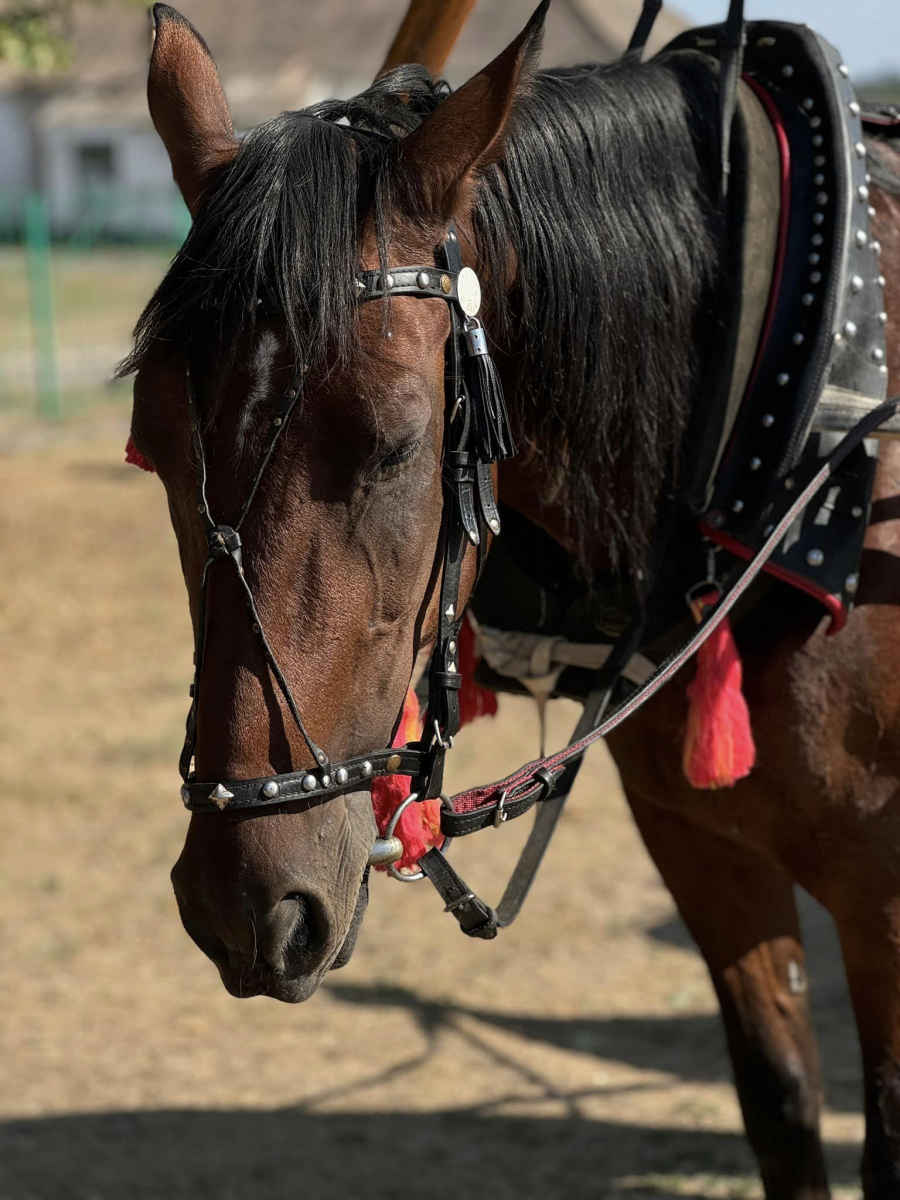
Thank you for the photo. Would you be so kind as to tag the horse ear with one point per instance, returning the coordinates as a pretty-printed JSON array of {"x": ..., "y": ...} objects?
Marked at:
[
  {"x": 467, "y": 130},
  {"x": 187, "y": 103}
]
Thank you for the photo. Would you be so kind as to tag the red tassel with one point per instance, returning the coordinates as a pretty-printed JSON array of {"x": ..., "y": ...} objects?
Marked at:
[
  {"x": 135, "y": 458},
  {"x": 419, "y": 829},
  {"x": 474, "y": 700},
  {"x": 718, "y": 743}
]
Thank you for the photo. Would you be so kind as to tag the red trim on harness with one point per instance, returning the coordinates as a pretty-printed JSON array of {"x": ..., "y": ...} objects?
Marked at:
[{"x": 834, "y": 604}]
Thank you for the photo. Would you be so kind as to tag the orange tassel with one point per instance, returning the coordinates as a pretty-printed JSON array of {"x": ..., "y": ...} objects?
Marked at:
[
  {"x": 135, "y": 458},
  {"x": 718, "y": 743},
  {"x": 419, "y": 829}
]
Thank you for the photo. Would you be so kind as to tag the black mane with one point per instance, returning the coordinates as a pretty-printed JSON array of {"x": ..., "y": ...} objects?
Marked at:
[{"x": 604, "y": 194}]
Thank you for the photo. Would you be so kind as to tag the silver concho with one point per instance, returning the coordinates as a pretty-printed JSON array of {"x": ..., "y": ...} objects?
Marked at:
[{"x": 468, "y": 289}]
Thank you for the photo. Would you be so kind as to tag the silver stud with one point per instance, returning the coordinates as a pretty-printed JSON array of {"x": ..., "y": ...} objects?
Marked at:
[
  {"x": 815, "y": 122},
  {"x": 815, "y": 558},
  {"x": 309, "y": 783},
  {"x": 452, "y": 236},
  {"x": 877, "y": 354},
  {"x": 494, "y": 524},
  {"x": 881, "y": 281},
  {"x": 755, "y": 464},
  {"x": 809, "y": 103},
  {"x": 220, "y": 796},
  {"x": 807, "y": 298},
  {"x": 326, "y": 781},
  {"x": 882, "y": 317},
  {"x": 451, "y": 668},
  {"x": 876, "y": 247},
  {"x": 782, "y": 379},
  {"x": 815, "y": 277},
  {"x": 819, "y": 160},
  {"x": 868, "y": 178},
  {"x": 883, "y": 369},
  {"x": 856, "y": 511},
  {"x": 449, "y": 612},
  {"x": 814, "y": 260},
  {"x": 789, "y": 484},
  {"x": 862, "y": 238},
  {"x": 838, "y": 338},
  {"x": 360, "y": 285},
  {"x": 787, "y": 71},
  {"x": 768, "y": 420},
  {"x": 341, "y": 775},
  {"x": 423, "y": 279},
  {"x": 860, "y": 149},
  {"x": 271, "y": 789},
  {"x": 862, "y": 192},
  {"x": 817, "y": 239},
  {"x": 797, "y": 339},
  {"x": 277, "y": 421},
  {"x": 872, "y": 212},
  {"x": 818, "y": 218},
  {"x": 451, "y": 646},
  {"x": 320, "y": 757},
  {"x": 851, "y": 583},
  {"x": 768, "y": 531},
  {"x": 366, "y": 769},
  {"x": 817, "y": 139},
  {"x": 854, "y": 107},
  {"x": 818, "y": 180},
  {"x": 738, "y": 506},
  {"x": 857, "y": 283},
  {"x": 850, "y": 329},
  {"x": 388, "y": 282},
  {"x": 185, "y": 795},
  {"x": 201, "y": 509},
  {"x": 844, "y": 70}
]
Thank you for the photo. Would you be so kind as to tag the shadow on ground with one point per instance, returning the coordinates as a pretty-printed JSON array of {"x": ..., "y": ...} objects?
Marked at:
[{"x": 291, "y": 1153}]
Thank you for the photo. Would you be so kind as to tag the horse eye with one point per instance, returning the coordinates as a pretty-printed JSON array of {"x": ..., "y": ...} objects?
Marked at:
[{"x": 398, "y": 456}]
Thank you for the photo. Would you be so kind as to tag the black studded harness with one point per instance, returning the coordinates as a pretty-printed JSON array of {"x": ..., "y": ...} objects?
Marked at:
[{"x": 476, "y": 435}]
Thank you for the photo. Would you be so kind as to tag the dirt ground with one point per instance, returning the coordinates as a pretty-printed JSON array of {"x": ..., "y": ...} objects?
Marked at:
[{"x": 577, "y": 1056}]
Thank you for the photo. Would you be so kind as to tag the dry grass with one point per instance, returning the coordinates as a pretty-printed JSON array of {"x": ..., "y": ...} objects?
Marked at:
[{"x": 577, "y": 1056}]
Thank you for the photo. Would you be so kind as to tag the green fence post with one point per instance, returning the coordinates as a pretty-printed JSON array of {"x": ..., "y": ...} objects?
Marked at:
[{"x": 43, "y": 323}]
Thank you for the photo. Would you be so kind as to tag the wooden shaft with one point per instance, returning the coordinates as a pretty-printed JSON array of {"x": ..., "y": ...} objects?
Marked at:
[{"x": 428, "y": 34}]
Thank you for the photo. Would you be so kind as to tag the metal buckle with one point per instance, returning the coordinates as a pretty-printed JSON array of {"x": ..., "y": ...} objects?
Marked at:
[
  {"x": 439, "y": 738},
  {"x": 459, "y": 902},
  {"x": 500, "y": 813}
]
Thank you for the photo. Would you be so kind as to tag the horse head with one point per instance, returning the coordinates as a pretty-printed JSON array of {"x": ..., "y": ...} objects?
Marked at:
[{"x": 340, "y": 547}]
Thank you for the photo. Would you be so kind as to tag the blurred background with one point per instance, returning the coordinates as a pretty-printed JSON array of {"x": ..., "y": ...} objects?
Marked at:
[{"x": 580, "y": 1055}]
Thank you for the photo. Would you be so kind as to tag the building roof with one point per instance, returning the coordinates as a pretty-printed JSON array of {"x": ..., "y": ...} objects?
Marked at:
[{"x": 284, "y": 54}]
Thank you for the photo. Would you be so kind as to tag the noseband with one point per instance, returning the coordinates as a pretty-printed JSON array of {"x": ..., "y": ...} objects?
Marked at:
[{"x": 476, "y": 433}]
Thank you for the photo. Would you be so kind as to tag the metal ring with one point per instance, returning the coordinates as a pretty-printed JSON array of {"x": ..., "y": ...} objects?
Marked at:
[
  {"x": 390, "y": 830},
  {"x": 439, "y": 738}
]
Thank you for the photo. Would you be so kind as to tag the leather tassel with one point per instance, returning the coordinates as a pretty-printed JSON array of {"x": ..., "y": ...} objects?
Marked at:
[
  {"x": 718, "y": 744},
  {"x": 495, "y": 439}
]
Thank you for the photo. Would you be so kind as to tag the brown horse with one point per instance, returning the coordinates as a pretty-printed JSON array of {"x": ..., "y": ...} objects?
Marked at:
[{"x": 603, "y": 310}]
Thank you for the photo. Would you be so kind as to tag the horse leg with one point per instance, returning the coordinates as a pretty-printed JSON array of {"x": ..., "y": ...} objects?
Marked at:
[
  {"x": 740, "y": 909},
  {"x": 870, "y": 937}
]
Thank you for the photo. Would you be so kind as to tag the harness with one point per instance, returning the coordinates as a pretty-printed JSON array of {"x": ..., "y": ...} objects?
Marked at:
[{"x": 477, "y": 434}]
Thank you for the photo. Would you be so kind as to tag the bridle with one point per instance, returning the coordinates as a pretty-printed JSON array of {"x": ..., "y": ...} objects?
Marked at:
[{"x": 476, "y": 434}]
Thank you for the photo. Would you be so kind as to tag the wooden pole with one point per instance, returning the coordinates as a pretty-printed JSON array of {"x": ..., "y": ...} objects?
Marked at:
[{"x": 428, "y": 34}]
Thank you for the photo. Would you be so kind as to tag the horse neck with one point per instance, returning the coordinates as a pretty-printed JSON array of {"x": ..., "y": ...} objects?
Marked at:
[{"x": 607, "y": 254}]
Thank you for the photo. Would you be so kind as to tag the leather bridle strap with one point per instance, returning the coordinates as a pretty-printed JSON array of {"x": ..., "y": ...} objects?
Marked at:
[{"x": 474, "y": 418}]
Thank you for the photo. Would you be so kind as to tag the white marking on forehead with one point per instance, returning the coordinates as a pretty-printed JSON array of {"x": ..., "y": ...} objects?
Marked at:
[{"x": 261, "y": 364}]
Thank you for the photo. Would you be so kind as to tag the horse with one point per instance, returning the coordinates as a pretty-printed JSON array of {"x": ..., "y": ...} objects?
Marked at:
[{"x": 588, "y": 201}]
